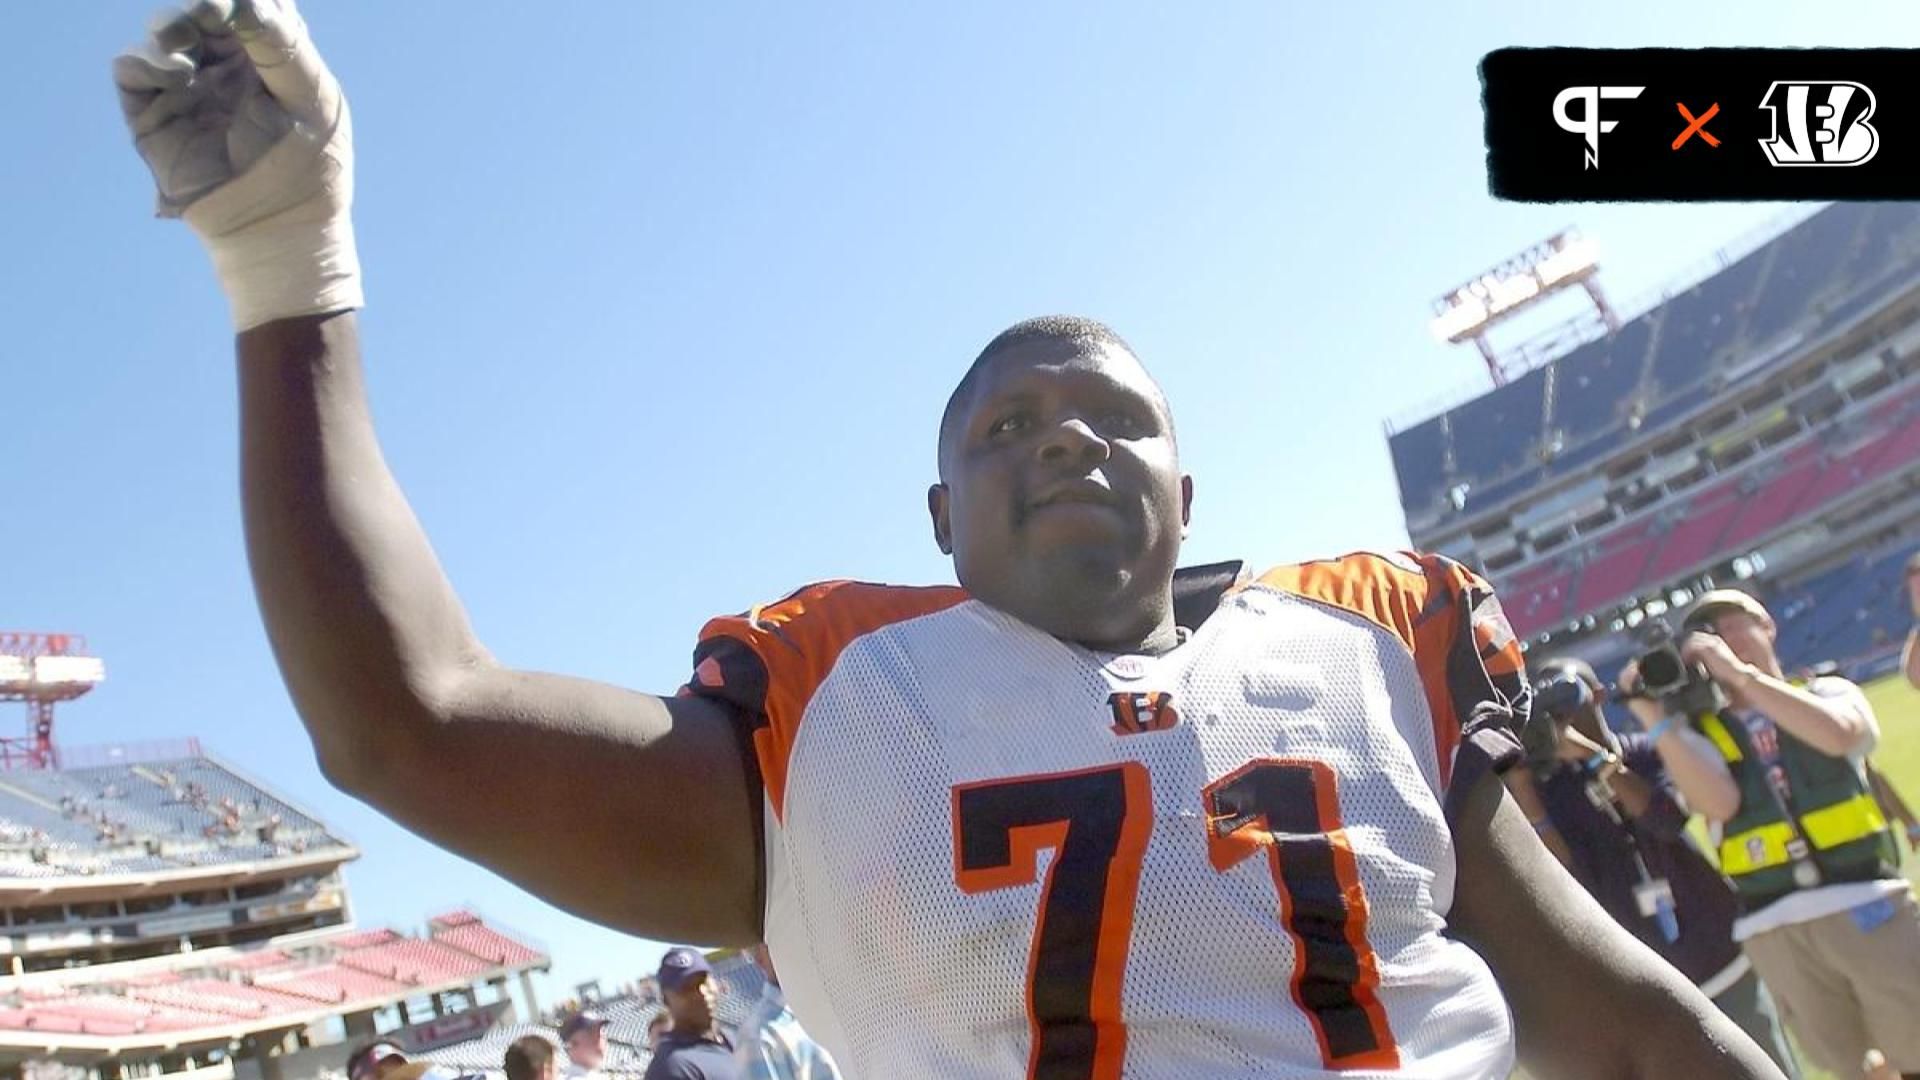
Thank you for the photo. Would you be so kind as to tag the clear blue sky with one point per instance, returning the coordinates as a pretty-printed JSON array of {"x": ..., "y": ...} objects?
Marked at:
[{"x": 665, "y": 299}]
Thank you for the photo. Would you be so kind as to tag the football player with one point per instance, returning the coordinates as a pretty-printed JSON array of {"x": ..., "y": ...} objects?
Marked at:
[{"x": 1064, "y": 820}]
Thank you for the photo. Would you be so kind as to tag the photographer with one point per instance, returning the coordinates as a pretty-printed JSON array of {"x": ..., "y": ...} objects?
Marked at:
[
  {"x": 1603, "y": 805},
  {"x": 1778, "y": 768}
]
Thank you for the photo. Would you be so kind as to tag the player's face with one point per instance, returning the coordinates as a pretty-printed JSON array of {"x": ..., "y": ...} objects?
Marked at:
[{"x": 1063, "y": 502}]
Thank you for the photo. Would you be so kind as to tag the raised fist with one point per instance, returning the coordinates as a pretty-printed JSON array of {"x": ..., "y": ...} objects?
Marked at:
[{"x": 248, "y": 138}]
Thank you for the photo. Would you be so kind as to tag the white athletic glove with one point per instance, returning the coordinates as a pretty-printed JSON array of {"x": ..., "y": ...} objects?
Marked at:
[{"x": 248, "y": 137}]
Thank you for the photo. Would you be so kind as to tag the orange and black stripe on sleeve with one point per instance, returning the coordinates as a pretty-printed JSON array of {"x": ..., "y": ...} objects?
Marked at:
[
  {"x": 767, "y": 663},
  {"x": 1469, "y": 661}
]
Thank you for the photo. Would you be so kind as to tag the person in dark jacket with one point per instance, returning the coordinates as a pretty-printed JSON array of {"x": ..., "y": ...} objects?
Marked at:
[
  {"x": 695, "y": 1048},
  {"x": 1603, "y": 805}
]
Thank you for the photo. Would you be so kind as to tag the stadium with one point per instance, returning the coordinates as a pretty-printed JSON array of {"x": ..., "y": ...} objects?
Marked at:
[
  {"x": 162, "y": 914},
  {"x": 1758, "y": 426}
]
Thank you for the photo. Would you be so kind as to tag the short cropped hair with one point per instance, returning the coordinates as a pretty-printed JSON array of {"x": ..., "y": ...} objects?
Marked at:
[
  {"x": 528, "y": 1057},
  {"x": 1076, "y": 329}
]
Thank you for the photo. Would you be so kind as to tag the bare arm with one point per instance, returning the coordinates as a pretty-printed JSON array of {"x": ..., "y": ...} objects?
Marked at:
[
  {"x": 1693, "y": 765},
  {"x": 1630, "y": 790},
  {"x": 1556, "y": 954},
  {"x": 1526, "y": 795},
  {"x": 1836, "y": 726},
  {"x": 623, "y": 807},
  {"x": 1635, "y": 796},
  {"x": 1644, "y": 793}
]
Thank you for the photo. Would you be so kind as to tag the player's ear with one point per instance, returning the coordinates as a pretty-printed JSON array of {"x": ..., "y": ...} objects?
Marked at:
[
  {"x": 942, "y": 522},
  {"x": 1186, "y": 503}
]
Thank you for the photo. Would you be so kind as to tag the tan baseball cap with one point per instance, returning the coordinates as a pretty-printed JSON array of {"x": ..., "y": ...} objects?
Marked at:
[{"x": 1720, "y": 602}]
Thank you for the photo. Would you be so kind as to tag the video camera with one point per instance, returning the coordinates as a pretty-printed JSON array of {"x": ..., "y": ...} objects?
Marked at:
[{"x": 1666, "y": 676}]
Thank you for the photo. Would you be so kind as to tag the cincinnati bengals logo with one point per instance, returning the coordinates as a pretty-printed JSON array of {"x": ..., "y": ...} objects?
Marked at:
[
  {"x": 1820, "y": 123},
  {"x": 1135, "y": 713}
]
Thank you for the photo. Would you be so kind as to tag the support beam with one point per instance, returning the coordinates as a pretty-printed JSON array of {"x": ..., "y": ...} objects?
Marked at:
[{"x": 526, "y": 991}]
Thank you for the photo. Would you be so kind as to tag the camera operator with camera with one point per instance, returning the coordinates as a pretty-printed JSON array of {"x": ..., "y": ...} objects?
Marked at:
[
  {"x": 1778, "y": 768},
  {"x": 1602, "y": 803}
]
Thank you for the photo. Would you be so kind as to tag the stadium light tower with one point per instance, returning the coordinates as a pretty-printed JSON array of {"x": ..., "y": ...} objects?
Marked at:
[
  {"x": 42, "y": 670},
  {"x": 1557, "y": 263}
]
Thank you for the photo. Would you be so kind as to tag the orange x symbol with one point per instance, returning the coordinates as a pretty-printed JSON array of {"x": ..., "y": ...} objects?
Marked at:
[{"x": 1699, "y": 125}]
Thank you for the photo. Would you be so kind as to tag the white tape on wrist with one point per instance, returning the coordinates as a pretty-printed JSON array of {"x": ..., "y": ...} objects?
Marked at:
[
  {"x": 281, "y": 233},
  {"x": 281, "y": 271}
]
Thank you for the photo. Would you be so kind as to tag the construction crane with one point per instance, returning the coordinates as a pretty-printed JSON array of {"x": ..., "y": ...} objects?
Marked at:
[{"x": 42, "y": 670}]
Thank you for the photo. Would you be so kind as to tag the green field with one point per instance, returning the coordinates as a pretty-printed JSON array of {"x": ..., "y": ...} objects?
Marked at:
[{"x": 1898, "y": 706}]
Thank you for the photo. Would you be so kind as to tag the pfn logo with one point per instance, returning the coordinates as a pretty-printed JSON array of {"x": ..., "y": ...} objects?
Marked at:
[
  {"x": 1820, "y": 123},
  {"x": 1589, "y": 125}
]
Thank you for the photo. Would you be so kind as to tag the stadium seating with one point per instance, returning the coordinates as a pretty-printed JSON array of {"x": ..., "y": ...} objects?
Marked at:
[
  {"x": 1697, "y": 537},
  {"x": 1777, "y": 499},
  {"x": 1664, "y": 415},
  {"x": 1593, "y": 380},
  {"x": 1838, "y": 263},
  {"x": 486, "y": 943},
  {"x": 337, "y": 972},
  {"x": 1730, "y": 516},
  {"x": 332, "y": 984},
  {"x": 1804, "y": 264},
  {"x": 146, "y": 818},
  {"x": 220, "y": 996},
  {"x": 1891, "y": 238},
  {"x": 1619, "y": 566},
  {"x": 1501, "y": 491},
  {"x": 1496, "y": 433},
  {"x": 1702, "y": 322},
  {"x": 1846, "y": 611},
  {"x": 1574, "y": 460},
  {"x": 1419, "y": 459},
  {"x": 1542, "y": 604},
  {"x": 414, "y": 962}
]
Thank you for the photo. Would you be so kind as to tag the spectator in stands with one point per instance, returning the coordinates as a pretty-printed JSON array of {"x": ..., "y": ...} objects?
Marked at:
[
  {"x": 1828, "y": 921},
  {"x": 696, "y": 1048},
  {"x": 383, "y": 1059},
  {"x": 530, "y": 1057},
  {"x": 1605, "y": 808},
  {"x": 659, "y": 1025},
  {"x": 1910, "y": 659},
  {"x": 772, "y": 1044},
  {"x": 584, "y": 1034}
]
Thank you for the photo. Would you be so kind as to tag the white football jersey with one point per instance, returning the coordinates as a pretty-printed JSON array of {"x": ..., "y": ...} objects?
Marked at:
[{"x": 993, "y": 854}]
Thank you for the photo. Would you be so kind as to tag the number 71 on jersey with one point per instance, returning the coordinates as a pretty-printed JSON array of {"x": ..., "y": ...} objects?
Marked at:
[{"x": 1097, "y": 823}]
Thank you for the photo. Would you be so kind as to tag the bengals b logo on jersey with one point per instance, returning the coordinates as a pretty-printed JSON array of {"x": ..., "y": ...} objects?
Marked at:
[{"x": 1135, "y": 713}]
